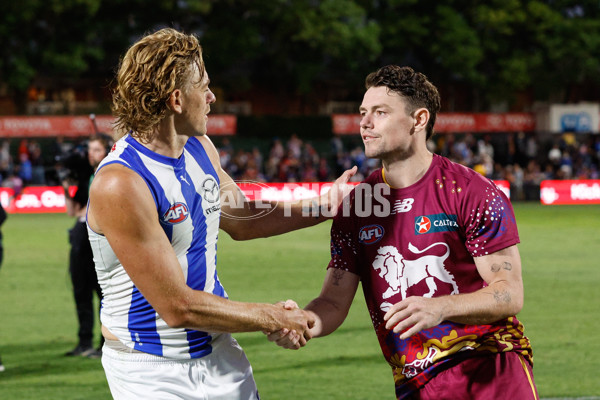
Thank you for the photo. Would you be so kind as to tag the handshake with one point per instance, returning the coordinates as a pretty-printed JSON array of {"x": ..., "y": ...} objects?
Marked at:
[{"x": 294, "y": 338}]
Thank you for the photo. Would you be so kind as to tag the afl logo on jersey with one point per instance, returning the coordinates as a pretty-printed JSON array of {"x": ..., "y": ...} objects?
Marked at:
[
  {"x": 422, "y": 224},
  {"x": 177, "y": 213},
  {"x": 370, "y": 234}
]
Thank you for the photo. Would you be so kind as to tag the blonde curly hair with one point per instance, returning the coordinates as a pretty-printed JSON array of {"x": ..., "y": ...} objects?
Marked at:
[{"x": 149, "y": 72}]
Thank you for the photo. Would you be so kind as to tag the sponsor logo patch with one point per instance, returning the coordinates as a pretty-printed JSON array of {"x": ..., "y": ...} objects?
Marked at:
[
  {"x": 370, "y": 234},
  {"x": 210, "y": 189},
  {"x": 402, "y": 206},
  {"x": 435, "y": 223},
  {"x": 177, "y": 213}
]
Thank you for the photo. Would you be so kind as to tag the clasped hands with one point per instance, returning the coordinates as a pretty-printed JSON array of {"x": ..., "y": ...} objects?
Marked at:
[
  {"x": 407, "y": 317},
  {"x": 290, "y": 339}
]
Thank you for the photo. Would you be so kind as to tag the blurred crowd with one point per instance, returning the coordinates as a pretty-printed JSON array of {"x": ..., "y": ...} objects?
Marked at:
[
  {"x": 522, "y": 159},
  {"x": 525, "y": 160},
  {"x": 294, "y": 160}
]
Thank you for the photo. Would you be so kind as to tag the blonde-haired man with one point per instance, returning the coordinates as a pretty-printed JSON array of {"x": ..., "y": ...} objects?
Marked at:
[{"x": 154, "y": 215}]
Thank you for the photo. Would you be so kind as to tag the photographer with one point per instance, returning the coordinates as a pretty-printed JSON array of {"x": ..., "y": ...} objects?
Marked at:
[{"x": 76, "y": 170}]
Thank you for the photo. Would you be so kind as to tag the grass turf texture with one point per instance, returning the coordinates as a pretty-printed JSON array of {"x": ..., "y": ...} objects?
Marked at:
[{"x": 560, "y": 271}]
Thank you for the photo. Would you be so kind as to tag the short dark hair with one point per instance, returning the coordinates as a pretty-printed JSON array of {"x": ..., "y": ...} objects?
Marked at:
[{"x": 411, "y": 85}]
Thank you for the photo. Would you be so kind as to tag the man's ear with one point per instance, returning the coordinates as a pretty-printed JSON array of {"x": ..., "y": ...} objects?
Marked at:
[
  {"x": 421, "y": 117},
  {"x": 175, "y": 101}
]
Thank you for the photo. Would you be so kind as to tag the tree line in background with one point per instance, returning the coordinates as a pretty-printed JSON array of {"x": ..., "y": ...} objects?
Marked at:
[{"x": 480, "y": 53}]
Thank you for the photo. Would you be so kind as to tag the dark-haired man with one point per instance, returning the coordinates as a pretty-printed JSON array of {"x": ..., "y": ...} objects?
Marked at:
[{"x": 434, "y": 245}]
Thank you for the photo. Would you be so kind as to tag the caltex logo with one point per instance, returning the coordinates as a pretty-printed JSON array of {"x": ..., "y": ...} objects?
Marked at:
[
  {"x": 436, "y": 223},
  {"x": 422, "y": 224}
]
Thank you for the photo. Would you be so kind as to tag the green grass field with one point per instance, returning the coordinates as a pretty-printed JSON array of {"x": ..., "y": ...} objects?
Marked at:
[{"x": 562, "y": 295}]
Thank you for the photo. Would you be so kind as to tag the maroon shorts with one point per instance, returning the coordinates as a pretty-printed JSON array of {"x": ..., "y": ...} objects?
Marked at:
[{"x": 497, "y": 376}]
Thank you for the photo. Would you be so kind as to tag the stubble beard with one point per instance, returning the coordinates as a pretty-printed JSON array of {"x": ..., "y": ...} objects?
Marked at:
[{"x": 400, "y": 154}]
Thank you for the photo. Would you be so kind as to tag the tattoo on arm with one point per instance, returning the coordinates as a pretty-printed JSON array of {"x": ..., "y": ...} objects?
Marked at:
[
  {"x": 502, "y": 297},
  {"x": 505, "y": 265},
  {"x": 338, "y": 274}
]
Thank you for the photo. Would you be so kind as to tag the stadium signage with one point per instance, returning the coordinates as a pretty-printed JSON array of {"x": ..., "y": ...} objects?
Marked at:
[
  {"x": 34, "y": 199},
  {"x": 578, "y": 118},
  {"x": 554, "y": 192},
  {"x": 349, "y": 124},
  {"x": 51, "y": 199},
  {"x": 73, "y": 126}
]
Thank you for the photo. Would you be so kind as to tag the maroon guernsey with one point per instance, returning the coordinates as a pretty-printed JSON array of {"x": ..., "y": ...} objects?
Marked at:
[{"x": 421, "y": 241}]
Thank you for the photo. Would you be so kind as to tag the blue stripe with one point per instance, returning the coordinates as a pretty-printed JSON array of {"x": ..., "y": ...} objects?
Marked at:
[
  {"x": 196, "y": 149},
  {"x": 199, "y": 343},
  {"x": 143, "y": 326},
  {"x": 196, "y": 256}
]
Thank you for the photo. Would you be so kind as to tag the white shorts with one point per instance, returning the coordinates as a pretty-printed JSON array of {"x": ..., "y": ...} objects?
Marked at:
[{"x": 224, "y": 374}]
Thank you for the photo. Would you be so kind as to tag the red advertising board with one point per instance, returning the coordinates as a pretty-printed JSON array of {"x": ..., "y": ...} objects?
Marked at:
[
  {"x": 34, "y": 199},
  {"x": 347, "y": 124},
  {"x": 585, "y": 191},
  {"x": 485, "y": 122},
  {"x": 51, "y": 199},
  {"x": 72, "y": 126},
  {"x": 298, "y": 191},
  {"x": 504, "y": 186}
]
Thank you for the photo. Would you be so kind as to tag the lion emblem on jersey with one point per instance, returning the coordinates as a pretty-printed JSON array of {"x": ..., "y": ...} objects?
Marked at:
[{"x": 400, "y": 273}]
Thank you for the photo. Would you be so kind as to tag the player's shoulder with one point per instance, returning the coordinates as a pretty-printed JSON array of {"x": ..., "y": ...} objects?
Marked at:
[
  {"x": 115, "y": 177},
  {"x": 451, "y": 171},
  {"x": 207, "y": 145}
]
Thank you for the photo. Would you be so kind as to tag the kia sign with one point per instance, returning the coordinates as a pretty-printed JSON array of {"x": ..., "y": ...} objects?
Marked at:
[{"x": 584, "y": 191}]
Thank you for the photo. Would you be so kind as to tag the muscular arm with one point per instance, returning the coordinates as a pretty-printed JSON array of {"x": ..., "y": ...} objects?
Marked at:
[
  {"x": 502, "y": 298},
  {"x": 239, "y": 215},
  {"x": 331, "y": 307},
  {"x": 122, "y": 208}
]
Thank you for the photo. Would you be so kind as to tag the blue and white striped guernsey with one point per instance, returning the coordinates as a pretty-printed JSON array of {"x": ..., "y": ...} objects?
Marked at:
[{"x": 186, "y": 193}]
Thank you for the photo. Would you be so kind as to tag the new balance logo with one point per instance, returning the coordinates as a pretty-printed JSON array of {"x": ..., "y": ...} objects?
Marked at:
[{"x": 401, "y": 206}]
